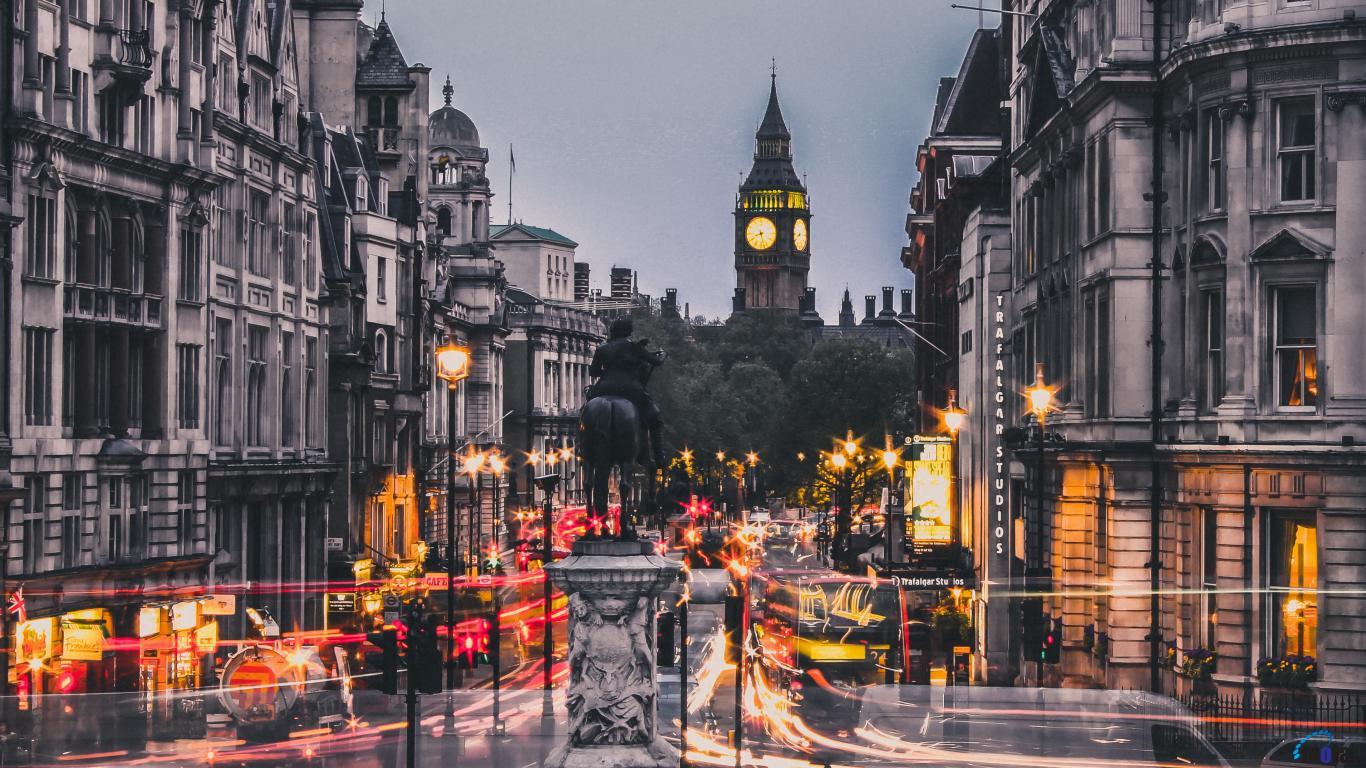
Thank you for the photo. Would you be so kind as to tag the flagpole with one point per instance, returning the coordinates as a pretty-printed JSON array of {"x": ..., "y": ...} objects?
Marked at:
[{"x": 512, "y": 168}]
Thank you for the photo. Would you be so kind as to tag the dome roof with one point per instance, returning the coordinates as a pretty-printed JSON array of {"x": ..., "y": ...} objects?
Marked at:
[{"x": 449, "y": 127}]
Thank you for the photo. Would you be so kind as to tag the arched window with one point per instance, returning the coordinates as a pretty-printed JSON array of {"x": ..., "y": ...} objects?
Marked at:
[
  {"x": 390, "y": 111},
  {"x": 381, "y": 352},
  {"x": 443, "y": 221},
  {"x": 372, "y": 114}
]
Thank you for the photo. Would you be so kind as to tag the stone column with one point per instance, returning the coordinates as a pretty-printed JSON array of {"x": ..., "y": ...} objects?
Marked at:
[{"x": 613, "y": 688}]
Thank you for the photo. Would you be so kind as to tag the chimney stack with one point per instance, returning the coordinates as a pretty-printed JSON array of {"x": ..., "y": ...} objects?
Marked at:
[
  {"x": 907, "y": 311},
  {"x": 887, "y": 301},
  {"x": 869, "y": 308}
]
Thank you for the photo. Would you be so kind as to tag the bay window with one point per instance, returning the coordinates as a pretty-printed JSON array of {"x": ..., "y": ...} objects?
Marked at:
[{"x": 1292, "y": 583}]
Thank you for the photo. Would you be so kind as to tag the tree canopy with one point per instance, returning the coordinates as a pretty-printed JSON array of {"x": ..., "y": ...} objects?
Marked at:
[{"x": 760, "y": 383}]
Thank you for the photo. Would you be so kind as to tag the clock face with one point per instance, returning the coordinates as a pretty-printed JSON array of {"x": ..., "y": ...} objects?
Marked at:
[
  {"x": 799, "y": 234},
  {"x": 761, "y": 233}
]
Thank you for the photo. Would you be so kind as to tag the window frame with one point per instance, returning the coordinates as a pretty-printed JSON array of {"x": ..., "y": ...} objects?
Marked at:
[
  {"x": 1216, "y": 179},
  {"x": 1274, "y": 593},
  {"x": 1307, "y": 153},
  {"x": 1275, "y": 346}
]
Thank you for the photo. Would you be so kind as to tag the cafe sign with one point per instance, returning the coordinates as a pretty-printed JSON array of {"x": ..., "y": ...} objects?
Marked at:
[
  {"x": 82, "y": 642},
  {"x": 34, "y": 640}
]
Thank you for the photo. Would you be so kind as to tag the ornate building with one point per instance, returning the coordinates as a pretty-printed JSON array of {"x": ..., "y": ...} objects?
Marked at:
[
  {"x": 550, "y": 347},
  {"x": 168, "y": 337},
  {"x": 772, "y": 222},
  {"x": 1180, "y": 267},
  {"x": 466, "y": 306},
  {"x": 373, "y": 256}
]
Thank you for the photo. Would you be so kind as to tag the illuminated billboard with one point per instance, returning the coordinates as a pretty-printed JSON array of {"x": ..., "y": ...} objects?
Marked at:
[{"x": 929, "y": 492}]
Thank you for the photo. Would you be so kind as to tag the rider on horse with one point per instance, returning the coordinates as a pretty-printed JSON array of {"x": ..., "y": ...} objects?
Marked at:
[{"x": 622, "y": 367}]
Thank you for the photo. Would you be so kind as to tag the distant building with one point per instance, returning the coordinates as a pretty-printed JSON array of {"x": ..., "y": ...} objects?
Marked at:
[
  {"x": 582, "y": 286},
  {"x": 772, "y": 221},
  {"x": 550, "y": 345},
  {"x": 623, "y": 284}
]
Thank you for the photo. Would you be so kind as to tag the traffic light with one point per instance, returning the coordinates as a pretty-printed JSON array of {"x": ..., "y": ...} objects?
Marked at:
[
  {"x": 424, "y": 658},
  {"x": 386, "y": 660},
  {"x": 1031, "y": 621},
  {"x": 735, "y": 627},
  {"x": 665, "y": 647},
  {"x": 1051, "y": 653},
  {"x": 493, "y": 559}
]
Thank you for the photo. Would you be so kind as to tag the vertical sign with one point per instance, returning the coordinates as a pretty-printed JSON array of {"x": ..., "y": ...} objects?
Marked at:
[{"x": 997, "y": 456}]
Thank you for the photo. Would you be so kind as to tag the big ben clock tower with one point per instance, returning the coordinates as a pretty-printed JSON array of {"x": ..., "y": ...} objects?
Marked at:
[{"x": 772, "y": 222}]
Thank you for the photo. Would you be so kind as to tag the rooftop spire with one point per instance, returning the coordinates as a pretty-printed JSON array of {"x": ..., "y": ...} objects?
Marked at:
[
  {"x": 773, "y": 124},
  {"x": 448, "y": 91}
]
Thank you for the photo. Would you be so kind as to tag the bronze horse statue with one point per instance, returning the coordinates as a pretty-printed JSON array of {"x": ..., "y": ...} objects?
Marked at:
[{"x": 613, "y": 435}]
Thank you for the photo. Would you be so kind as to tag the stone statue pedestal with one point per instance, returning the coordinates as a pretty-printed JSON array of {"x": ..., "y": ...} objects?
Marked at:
[{"x": 613, "y": 588}]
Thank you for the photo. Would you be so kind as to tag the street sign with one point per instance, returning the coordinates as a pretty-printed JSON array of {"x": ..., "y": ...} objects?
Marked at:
[
  {"x": 341, "y": 602},
  {"x": 257, "y": 686},
  {"x": 335, "y": 544}
]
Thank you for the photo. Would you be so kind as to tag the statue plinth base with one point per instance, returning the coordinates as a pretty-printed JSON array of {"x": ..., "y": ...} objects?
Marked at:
[{"x": 613, "y": 694}]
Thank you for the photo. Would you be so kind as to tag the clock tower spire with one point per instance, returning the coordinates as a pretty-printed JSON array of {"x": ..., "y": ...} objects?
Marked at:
[{"x": 772, "y": 220}]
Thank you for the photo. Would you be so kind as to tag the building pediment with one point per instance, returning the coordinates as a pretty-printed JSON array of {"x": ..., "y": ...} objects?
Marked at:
[{"x": 1290, "y": 244}]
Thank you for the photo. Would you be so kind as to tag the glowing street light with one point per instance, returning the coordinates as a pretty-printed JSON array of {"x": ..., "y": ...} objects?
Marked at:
[
  {"x": 1040, "y": 395},
  {"x": 720, "y": 456},
  {"x": 497, "y": 464},
  {"x": 452, "y": 364},
  {"x": 890, "y": 458},
  {"x": 954, "y": 417},
  {"x": 839, "y": 460},
  {"x": 473, "y": 462},
  {"x": 752, "y": 458}
]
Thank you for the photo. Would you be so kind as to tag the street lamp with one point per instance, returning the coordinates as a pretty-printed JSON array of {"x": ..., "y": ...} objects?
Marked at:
[
  {"x": 452, "y": 366},
  {"x": 473, "y": 462},
  {"x": 844, "y": 517},
  {"x": 1040, "y": 397},
  {"x": 497, "y": 466},
  {"x": 955, "y": 417}
]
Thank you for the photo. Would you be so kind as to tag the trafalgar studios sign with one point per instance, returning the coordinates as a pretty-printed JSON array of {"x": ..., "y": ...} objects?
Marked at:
[{"x": 999, "y": 466}]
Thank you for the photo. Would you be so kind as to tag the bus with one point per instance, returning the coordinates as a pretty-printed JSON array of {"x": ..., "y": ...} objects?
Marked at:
[{"x": 824, "y": 637}]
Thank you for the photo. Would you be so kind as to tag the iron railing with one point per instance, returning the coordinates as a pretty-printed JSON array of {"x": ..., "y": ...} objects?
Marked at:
[{"x": 1248, "y": 730}]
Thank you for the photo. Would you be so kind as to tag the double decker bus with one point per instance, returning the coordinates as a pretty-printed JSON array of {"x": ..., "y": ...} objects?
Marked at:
[{"x": 825, "y": 636}]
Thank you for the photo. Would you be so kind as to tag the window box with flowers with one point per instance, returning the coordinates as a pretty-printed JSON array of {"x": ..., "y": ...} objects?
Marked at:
[
  {"x": 1288, "y": 675},
  {"x": 1197, "y": 665}
]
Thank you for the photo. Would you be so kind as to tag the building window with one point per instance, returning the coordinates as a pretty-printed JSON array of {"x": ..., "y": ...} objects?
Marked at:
[
  {"x": 443, "y": 221},
  {"x": 1292, "y": 581},
  {"x": 191, "y": 269},
  {"x": 310, "y": 260},
  {"x": 1295, "y": 147},
  {"x": 185, "y": 496},
  {"x": 288, "y": 268},
  {"x": 223, "y": 380},
  {"x": 73, "y": 487},
  {"x": 80, "y": 89},
  {"x": 38, "y": 376},
  {"x": 381, "y": 352},
  {"x": 41, "y": 259},
  {"x": 261, "y": 114},
  {"x": 382, "y": 281},
  {"x": 966, "y": 342},
  {"x": 226, "y": 245},
  {"x": 1212, "y": 356},
  {"x": 71, "y": 541},
  {"x": 1214, "y": 161},
  {"x": 35, "y": 508},
  {"x": 256, "y": 385},
  {"x": 258, "y": 235},
  {"x": 373, "y": 116},
  {"x": 310, "y": 392},
  {"x": 1294, "y": 324},
  {"x": 144, "y": 125},
  {"x": 1103, "y": 183},
  {"x": 1209, "y": 575},
  {"x": 287, "y": 396},
  {"x": 187, "y": 385}
]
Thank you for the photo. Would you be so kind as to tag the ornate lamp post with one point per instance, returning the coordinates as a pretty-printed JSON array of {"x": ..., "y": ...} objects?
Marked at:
[
  {"x": 954, "y": 419},
  {"x": 1040, "y": 397},
  {"x": 452, "y": 366}
]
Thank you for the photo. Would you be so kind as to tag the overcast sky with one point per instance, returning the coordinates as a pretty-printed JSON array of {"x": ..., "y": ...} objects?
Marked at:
[{"x": 632, "y": 121}]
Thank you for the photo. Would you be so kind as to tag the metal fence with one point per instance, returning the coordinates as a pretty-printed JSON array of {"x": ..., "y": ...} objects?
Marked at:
[{"x": 1243, "y": 729}]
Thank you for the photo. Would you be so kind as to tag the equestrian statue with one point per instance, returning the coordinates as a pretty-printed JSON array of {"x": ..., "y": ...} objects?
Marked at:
[{"x": 619, "y": 426}]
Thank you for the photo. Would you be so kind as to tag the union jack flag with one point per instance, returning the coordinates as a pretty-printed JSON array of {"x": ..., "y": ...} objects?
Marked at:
[{"x": 17, "y": 606}]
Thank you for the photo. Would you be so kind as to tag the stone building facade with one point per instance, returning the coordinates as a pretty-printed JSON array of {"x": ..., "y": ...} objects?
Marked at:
[
  {"x": 1233, "y": 452},
  {"x": 550, "y": 347},
  {"x": 162, "y": 315}
]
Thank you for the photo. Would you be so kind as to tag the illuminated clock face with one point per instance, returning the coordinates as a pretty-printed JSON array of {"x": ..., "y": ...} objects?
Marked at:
[
  {"x": 799, "y": 234},
  {"x": 761, "y": 233}
]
